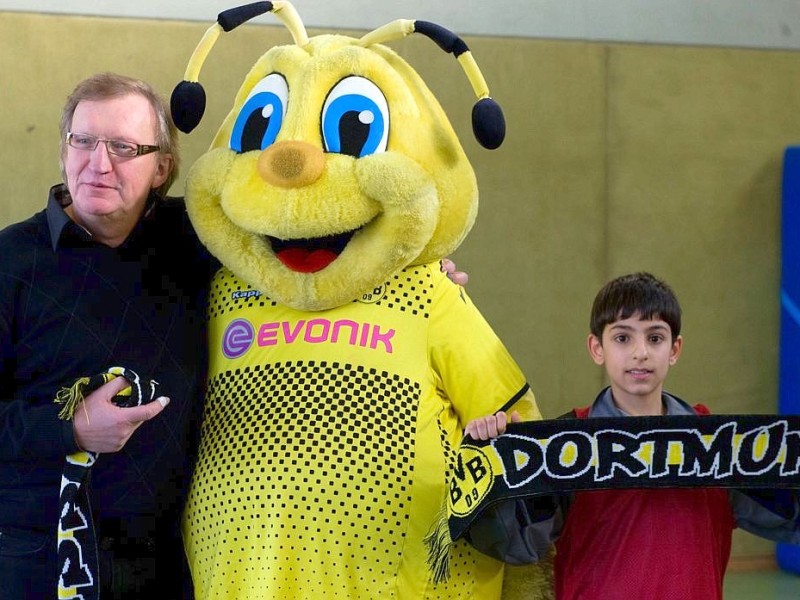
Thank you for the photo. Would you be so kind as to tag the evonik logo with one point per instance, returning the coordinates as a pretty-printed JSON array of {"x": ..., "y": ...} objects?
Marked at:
[{"x": 240, "y": 335}]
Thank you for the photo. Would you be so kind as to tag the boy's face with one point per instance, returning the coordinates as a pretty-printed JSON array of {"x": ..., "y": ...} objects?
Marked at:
[{"x": 637, "y": 355}]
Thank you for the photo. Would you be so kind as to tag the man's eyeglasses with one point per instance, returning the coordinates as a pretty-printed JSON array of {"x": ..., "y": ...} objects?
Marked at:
[{"x": 84, "y": 141}]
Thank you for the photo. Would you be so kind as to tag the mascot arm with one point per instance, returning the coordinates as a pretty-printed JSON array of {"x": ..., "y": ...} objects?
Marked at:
[
  {"x": 479, "y": 377},
  {"x": 525, "y": 406},
  {"x": 477, "y": 374}
]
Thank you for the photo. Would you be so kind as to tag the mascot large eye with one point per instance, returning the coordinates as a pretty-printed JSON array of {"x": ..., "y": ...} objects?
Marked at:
[
  {"x": 355, "y": 118},
  {"x": 261, "y": 116}
]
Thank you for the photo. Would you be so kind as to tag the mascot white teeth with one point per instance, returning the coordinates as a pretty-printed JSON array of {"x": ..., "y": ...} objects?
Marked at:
[{"x": 343, "y": 363}]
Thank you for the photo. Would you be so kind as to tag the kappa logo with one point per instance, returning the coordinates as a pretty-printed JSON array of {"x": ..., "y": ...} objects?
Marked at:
[
  {"x": 472, "y": 479},
  {"x": 245, "y": 294}
]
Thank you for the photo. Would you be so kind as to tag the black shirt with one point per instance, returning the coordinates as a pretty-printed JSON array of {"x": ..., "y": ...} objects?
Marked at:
[{"x": 71, "y": 307}]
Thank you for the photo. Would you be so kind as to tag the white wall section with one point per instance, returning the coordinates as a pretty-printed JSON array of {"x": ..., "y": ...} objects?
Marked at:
[{"x": 734, "y": 23}]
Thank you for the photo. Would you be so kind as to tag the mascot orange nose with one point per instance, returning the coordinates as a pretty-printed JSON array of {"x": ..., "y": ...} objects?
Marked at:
[{"x": 291, "y": 164}]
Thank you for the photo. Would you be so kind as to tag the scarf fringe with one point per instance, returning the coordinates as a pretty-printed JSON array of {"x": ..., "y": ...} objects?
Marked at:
[
  {"x": 439, "y": 543},
  {"x": 70, "y": 397}
]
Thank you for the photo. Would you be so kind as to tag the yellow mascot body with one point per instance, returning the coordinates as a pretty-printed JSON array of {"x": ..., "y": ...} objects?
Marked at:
[{"x": 343, "y": 363}]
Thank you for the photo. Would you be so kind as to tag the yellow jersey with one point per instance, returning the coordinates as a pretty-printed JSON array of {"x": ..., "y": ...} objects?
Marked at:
[{"x": 328, "y": 440}]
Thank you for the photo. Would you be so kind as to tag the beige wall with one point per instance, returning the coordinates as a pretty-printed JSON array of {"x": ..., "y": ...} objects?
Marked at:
[{"x": 618, "y": 158}]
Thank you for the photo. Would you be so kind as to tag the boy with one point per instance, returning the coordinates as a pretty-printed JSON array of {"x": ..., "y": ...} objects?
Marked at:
[{"x": 671, "y": 543}]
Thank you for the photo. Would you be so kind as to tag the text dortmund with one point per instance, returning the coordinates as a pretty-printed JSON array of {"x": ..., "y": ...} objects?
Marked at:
[{"x": 608, "y": 454}]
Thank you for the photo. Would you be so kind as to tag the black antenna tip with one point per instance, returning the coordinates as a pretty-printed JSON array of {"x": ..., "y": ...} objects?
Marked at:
[
  {"x": 187, "y": 105},
  {"x": 488, "y": 123}
]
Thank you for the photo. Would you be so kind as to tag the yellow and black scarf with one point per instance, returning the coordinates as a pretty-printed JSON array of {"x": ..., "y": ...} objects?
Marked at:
[
  {"x": 545, "y": 458},
  {"x": 77, "y": 546}
]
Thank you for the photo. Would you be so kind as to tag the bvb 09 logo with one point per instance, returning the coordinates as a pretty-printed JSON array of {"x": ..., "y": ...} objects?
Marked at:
[
  {"x": 472, "y": 479},
  {"x": 373, "y": 295}
]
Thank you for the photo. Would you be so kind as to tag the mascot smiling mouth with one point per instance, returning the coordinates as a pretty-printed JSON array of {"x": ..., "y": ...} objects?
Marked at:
[{"x": 312, "y": 254}]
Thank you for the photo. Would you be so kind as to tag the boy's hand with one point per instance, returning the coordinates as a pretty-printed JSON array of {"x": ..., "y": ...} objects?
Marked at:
[{"x": 485, "y": 428}]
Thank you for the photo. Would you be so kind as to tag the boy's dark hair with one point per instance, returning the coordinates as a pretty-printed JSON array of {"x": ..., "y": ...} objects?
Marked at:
[{"x": 635, "y": 293}]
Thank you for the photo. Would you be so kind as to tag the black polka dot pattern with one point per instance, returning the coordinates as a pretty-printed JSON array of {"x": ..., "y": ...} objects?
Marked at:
[{"x": 321, "y": 449}]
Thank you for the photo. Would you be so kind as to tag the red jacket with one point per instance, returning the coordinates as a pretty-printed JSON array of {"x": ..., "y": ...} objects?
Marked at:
[{"x": 654, "y": 544}]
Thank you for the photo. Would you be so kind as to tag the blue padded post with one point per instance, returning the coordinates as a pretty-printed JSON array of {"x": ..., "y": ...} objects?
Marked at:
[{"x": 789, "y": 376}]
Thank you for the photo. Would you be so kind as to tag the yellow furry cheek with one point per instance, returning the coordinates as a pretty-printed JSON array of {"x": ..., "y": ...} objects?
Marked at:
[{"x": 393, "y": 180}]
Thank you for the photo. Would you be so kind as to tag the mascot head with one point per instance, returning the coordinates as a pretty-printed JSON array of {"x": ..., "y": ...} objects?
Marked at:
[{"x": 336, "y": 166}]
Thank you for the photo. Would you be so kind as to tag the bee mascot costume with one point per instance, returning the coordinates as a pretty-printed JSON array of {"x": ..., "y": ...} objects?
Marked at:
[{"x": 344, "y": 364}]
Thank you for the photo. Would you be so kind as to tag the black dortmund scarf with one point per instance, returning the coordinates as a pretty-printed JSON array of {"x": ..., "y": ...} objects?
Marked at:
[
  {"x": 77, "y": 546},
  {"x": 542, "y": 458}
]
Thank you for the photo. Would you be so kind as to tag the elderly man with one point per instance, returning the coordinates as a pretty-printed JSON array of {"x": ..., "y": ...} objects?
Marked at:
[{"x": 109, "y": 274}]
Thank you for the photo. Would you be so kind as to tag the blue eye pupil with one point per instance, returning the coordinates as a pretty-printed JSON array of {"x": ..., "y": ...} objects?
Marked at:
[
  {"x": 353, "y": 134},
  {"x": 253, "y": 131}
]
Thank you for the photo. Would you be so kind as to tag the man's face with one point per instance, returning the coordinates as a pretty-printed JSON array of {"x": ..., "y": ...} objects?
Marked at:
[{"x": 107, "y": 189}]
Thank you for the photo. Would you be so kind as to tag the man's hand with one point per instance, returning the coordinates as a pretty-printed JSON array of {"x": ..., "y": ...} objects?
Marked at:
[
  {"x": 102, "y": 426},
  {"x": 449, "y": 267}
]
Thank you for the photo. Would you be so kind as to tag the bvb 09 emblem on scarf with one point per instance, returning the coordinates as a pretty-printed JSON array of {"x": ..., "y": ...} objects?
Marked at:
[{"x": 566, "y": 455}]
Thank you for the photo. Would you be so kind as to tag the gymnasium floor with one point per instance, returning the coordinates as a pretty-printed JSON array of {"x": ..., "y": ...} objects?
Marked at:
[{"x": 773, "y": 584}]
